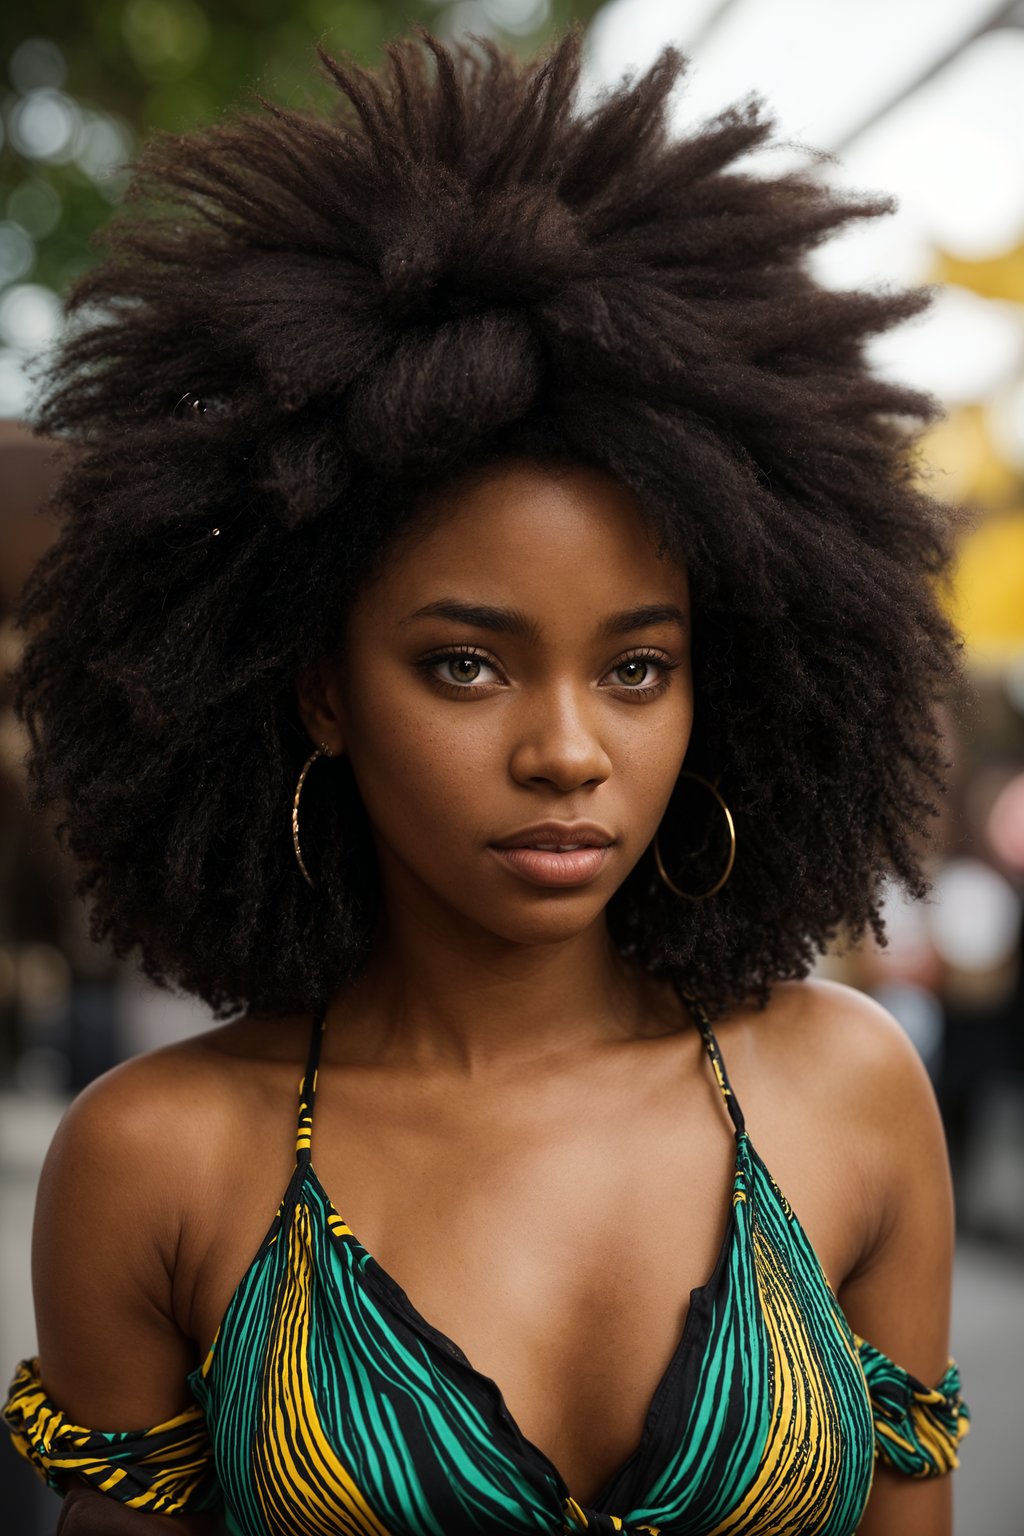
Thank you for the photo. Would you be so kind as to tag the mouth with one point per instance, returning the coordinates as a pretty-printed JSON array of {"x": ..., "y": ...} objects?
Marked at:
[
  {"x": 557, "y": 836},
  {"x": 556, "y": 847},
  {"x": 554, "y": 864}
]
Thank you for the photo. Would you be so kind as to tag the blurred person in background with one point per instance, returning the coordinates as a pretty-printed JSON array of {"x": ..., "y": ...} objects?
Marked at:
[{"x": 491, "y": 649}]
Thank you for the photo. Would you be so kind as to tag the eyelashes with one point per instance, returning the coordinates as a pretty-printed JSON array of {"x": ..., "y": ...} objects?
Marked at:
[{"x": 641, "y": 694}]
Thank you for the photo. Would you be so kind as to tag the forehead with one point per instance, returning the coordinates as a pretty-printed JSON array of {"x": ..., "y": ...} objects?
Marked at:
[{"x": 538, "y": 536}]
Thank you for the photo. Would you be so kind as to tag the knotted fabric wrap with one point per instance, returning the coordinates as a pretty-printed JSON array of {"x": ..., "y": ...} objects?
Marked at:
[
  {"x": 167, "y": 1469},
  {"x": 577, "y": 1519},
  {"x": 917, "y": 1428}
]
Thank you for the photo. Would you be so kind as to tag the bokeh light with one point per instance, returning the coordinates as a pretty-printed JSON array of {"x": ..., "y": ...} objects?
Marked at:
[
  {"x": 102, "y": 149},
  {"x": 975, "y": 919},
  {"x": 1006, "y": 824},
  {"x": 517, "y": 16},
  {"x": 17, "y": 252},
  {"x": 1006, "y": 423},
  {"x": 43, "y": 125},
  {"x": 36, "y": 206},
  {"x": 30, "y": 316},
  {"x": 962, "y": 347},
  {"x": 37, "y": 62}
]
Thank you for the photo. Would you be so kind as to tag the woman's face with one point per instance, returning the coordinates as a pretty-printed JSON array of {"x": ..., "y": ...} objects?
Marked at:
[{"x": 526, "y": 659}]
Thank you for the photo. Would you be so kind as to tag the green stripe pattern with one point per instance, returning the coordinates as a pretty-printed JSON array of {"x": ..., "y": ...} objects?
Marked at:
[{"x": 327, "y": 1405}]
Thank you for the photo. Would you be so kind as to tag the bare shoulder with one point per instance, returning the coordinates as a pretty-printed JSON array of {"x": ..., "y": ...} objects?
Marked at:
[
  {"x": 154, "y": 1107},
  {"x": 134, "y": 1140},
  {"x": 836, "y": 1015},
  {"x": 824, "y": 1066},
  {"x": 842, "y": 1046},
  {"x": 126, "y": 1173},
  {"x": 855, "y": 1061},
  {"x": 168, "y": 1117}
]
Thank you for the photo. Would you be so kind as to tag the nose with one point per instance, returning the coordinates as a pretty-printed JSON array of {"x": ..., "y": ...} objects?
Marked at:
[{"x": 558, "y": 742}]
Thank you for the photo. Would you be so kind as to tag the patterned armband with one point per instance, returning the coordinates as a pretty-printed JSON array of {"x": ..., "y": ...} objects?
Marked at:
[
  {"x": 167, "y": 1469},
  {"x": 917, "y": 1428}
]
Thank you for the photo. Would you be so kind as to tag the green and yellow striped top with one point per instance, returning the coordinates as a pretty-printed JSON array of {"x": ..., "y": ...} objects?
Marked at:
[{"x": 327, "y": 1405}]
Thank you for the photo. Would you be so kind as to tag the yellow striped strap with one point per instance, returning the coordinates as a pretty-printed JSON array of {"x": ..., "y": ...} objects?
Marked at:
[
  {"x": 917, "y": 1428},
  {"x": 167, "y": 1469}
]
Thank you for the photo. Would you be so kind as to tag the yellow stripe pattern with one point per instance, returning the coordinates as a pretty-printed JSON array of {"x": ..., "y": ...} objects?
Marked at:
[{"x": 328, "y": 1406}]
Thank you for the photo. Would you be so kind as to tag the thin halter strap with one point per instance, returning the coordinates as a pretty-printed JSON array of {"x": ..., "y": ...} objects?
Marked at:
[
  {"x": 307, "y": 1083},
  {"x": 717, "y": 1064},
  {"x": 307, "y": 1089}
]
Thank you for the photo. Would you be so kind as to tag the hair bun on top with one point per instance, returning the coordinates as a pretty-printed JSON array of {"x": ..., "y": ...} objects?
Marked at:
[
  {"x": 441, "y": 387},
  {"x": 469, "y": 359}
]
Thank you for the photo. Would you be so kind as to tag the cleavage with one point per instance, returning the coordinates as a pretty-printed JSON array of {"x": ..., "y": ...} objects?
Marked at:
[{"x": 558, "y": 1259}]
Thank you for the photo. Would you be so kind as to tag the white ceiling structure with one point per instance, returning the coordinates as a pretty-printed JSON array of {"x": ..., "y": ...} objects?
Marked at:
[{"x": 920, "y": 99}]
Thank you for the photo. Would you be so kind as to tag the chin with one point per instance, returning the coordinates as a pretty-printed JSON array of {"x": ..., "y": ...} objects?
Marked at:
[{"x": 555, "y": 918}]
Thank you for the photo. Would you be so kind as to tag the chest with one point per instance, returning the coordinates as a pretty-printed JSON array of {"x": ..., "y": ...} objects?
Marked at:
[{"x": 555, "y": 1238}]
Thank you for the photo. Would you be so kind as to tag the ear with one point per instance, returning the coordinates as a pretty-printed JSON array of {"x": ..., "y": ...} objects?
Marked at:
[{"x": 320, "y": 706}]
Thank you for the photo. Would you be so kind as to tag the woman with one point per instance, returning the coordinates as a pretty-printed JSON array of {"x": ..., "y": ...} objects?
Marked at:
[{"x": 492, "y": 638}]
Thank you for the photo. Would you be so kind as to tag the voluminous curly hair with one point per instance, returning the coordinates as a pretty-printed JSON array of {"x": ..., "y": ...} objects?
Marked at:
[{"x": 453, "y": 264}]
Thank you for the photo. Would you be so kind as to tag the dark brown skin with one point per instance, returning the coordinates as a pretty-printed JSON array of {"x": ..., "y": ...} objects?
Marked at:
[
  {"x": 504, "y": 1102},
  {"x": 88, "y": 1513}
]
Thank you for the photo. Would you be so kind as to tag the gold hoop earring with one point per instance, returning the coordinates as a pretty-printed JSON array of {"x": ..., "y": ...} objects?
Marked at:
[
  {"x": 702, "y": 895},
  {"x": 321, "y": 751}
]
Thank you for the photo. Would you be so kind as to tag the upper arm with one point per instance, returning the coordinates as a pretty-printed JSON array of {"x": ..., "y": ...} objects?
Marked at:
[
  {"x": 108, "y": 1401},
  {"x": 899, "y": 1293},
  {"x": 106, "y": 1230},
  {"x": 898, "y": 1296}
]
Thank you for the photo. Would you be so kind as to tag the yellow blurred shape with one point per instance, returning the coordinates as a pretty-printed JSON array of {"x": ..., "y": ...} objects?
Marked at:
[
  {"x": 997, "y": 277},
  {"x": 988, "y": 589},
  {"x": 962, "y": 463}
]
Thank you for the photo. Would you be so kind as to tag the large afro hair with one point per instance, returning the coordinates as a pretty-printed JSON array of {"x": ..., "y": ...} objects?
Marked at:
[{"x": 304, "y": 324}]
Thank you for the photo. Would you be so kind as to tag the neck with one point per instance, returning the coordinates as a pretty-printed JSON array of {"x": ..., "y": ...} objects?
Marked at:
[{"x": 468, "y": 1003}]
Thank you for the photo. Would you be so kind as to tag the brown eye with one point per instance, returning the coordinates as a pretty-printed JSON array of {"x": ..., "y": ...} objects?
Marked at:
[
  {"x": 633, "y": 671},
  {"x": 644, "y": 674},
  {"x": 462, "y": 670},
  {"x": 466, "y": 669}
]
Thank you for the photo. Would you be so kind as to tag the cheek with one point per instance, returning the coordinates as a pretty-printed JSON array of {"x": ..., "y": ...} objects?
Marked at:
[
  {"x": 420, "y": 764},
  {"x": 649, "y": 752},
  {"x": 651, "y": 738}
]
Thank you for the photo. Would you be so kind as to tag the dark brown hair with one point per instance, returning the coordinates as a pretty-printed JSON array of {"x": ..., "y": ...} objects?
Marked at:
[{"x": 453, "y": 264}]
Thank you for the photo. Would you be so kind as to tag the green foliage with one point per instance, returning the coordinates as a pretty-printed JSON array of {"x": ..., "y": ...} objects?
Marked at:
[{"x": 86, "y": 79}]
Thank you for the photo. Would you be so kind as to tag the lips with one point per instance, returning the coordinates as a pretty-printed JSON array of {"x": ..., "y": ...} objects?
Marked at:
[
  {"x": 557, "y": 836},
  {"x": 556, "y": 853}
]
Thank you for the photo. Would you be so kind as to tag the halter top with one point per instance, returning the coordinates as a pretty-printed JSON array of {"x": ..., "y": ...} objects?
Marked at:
[{"x": 327, "y": 1405}]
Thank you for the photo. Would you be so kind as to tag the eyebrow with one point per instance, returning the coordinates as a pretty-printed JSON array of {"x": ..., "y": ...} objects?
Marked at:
[{"x": 513, "y": 621}]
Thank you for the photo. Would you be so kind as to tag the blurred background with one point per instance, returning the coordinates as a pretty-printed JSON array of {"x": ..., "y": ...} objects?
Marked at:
[{"x": 923, "y": 99}]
